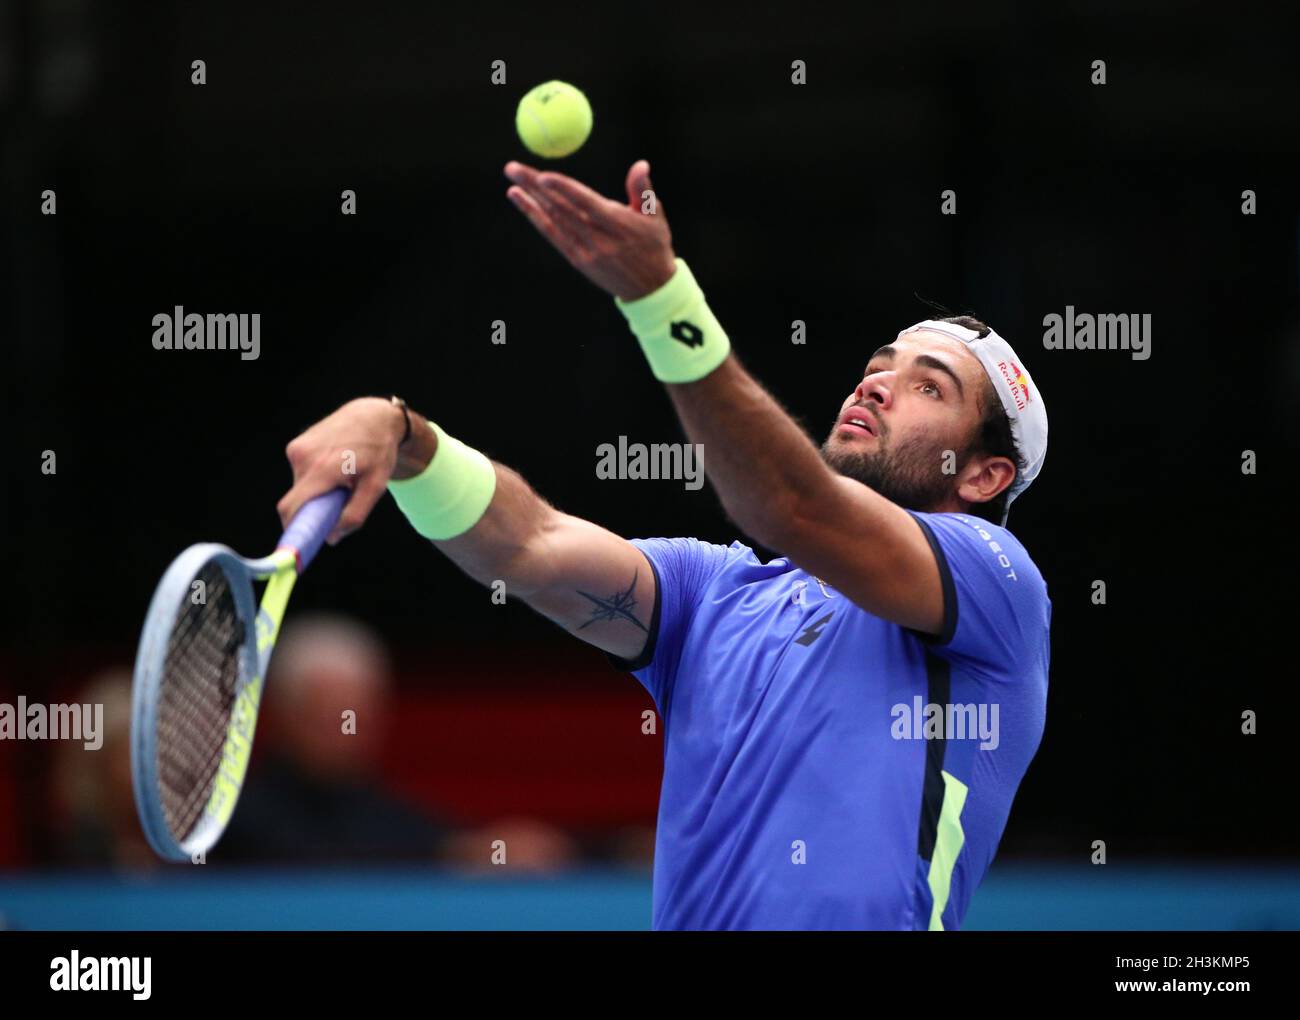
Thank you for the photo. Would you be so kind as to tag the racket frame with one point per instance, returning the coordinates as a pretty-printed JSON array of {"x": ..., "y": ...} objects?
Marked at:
[
  {"x": 297, "y": 547},
  {"x": 261, "y": 628}
]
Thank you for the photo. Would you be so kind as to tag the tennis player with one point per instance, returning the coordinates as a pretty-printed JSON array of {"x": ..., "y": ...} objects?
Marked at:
[{"x": 845, "y": 726}]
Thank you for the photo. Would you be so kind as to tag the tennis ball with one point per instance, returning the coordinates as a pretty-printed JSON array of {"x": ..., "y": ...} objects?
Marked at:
[{"x": 553, "y": 119}]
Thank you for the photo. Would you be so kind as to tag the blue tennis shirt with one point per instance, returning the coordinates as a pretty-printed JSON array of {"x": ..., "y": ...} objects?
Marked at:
[{"x": 825, "y": 768}]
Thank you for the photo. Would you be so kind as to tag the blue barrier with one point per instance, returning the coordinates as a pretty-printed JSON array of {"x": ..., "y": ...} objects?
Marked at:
[{"x": 1013, "y": 897}]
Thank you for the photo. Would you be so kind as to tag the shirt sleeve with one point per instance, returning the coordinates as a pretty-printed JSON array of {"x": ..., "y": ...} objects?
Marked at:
[
  {"x": 996, "y": 610},
  {"x": 683, "y": 568}
]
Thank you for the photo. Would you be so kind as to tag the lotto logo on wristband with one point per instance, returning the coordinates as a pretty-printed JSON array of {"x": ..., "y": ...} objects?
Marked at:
[
  {"x": 679, "y": 350},
  {"x": 689, "y": 334}
]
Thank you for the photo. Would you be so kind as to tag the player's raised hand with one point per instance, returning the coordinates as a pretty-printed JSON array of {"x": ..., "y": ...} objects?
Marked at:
[{"x": 626, "y": 250}]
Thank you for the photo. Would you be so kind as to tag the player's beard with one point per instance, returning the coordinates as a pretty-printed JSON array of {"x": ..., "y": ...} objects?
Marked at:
[{"x": 907, "y": 472}]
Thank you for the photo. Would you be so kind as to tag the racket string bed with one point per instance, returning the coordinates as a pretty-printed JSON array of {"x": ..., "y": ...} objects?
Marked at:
[{"x": 199, "y": 684}]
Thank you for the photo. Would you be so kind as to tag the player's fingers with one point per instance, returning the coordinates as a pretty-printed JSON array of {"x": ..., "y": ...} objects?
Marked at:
[
  {"x": 639, "y": 188},
  {"x": 521, "y": 173},
  {"x": 308, "y": 486},
  {"x": 567, "y": 218},
  {"x": 588, "y": 228},
  {"x": 540, "y": 219},
  {"x": 290, "y": 502},
  {"x": 530, "y": 180},
  {"x": 570, "y": 225},
  {"x": 569, "y": 234},
  {"x": 572, "y": 221},
  {"x": 592, "y": 208},
  {"x": 364, "y": 497}
]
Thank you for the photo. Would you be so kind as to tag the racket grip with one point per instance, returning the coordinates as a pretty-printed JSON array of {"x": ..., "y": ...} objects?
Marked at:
[{"x": 312, "y": 524}]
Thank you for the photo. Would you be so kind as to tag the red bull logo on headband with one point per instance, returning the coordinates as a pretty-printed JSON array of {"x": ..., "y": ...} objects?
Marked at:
[{"x": 1018, "y": 381}]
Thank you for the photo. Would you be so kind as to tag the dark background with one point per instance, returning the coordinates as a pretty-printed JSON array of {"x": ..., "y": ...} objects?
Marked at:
[{"x": 818, "y": 202}]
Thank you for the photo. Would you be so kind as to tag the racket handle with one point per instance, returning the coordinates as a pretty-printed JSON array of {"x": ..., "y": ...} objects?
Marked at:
[{"x": 312, "y": 524}]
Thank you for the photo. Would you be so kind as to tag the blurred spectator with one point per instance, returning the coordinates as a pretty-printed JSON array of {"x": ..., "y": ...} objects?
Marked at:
[
  {"x": 93, "y": 788},
  {"x": 314, "y": 796},
  {"x": 511, "y": 845}
]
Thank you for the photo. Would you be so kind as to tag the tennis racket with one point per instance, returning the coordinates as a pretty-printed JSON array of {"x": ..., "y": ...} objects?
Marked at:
[{"x": 198, "y": 681}]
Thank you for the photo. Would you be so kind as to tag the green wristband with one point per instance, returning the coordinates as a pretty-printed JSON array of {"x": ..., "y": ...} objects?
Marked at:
[
  {"x": 681, "y": 338},
  {"x": 449, "y": 496}
]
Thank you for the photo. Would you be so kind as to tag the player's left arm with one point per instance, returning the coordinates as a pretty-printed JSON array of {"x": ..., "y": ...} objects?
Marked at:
[{"x": 770, "y": 477}]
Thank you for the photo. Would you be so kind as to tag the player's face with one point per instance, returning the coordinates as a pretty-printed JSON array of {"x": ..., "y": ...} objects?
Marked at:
[{"x": 919, "y": 398}]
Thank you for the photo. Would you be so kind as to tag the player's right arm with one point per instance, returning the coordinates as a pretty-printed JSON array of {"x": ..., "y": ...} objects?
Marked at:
[{"x": 593, "y": 583}]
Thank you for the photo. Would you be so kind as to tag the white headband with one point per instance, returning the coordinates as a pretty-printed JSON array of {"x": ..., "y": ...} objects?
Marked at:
[{"x": 1015, "y": 388}]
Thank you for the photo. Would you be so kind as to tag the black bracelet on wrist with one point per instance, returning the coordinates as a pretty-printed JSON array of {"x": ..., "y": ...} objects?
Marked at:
[{"x": 397, "y": 401}]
